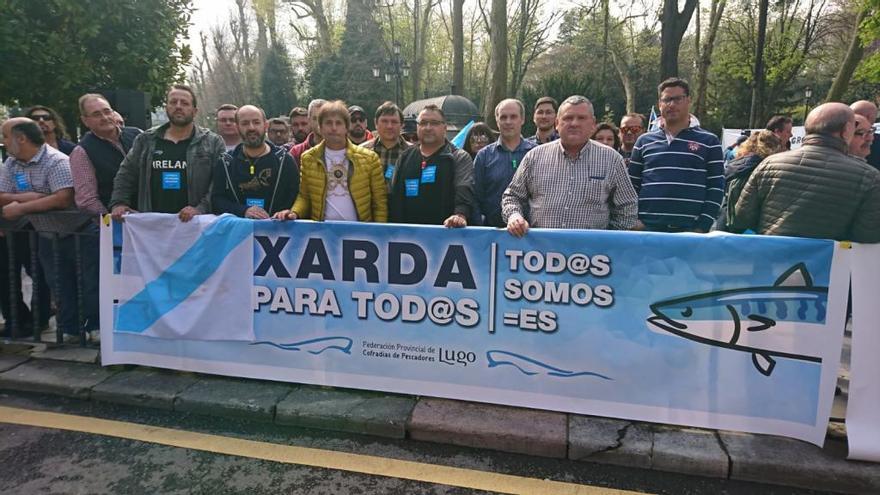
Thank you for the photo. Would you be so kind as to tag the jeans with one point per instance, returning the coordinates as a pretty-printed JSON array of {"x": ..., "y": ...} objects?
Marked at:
[
  {"x": 64, "y": 281},
  {"x": 10, "y": 295}
]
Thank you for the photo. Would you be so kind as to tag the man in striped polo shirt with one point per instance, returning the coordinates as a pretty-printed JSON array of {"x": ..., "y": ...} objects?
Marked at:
[{"x": 678, "y": 170}]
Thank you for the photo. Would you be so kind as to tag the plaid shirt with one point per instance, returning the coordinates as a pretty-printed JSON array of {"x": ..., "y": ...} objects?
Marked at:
[
  {"x": 388, "y": 156},
  {"x": 590, "y": 191},
  {"x": 46, "y": 173}
]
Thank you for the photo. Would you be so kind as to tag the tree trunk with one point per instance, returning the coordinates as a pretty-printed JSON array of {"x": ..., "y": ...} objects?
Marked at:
[
  {"x": 854, "y": 55},
  {"x": 623, "y": 71},
  {"x": 497, "y": 61},
  {"x": 758, "y": 87},
  {"x": 673, "y": 26},
  {"x": 457, "y": 47},
  {"x": 704, "y": 60}
]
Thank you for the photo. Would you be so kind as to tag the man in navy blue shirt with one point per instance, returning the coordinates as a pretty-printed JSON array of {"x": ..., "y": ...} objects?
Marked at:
[
  {"x": 677, "y": 170},
  {"x": 495, "y": 164}
]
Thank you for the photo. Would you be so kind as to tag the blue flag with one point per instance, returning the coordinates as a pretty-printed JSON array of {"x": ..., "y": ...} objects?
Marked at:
[
  {"x": 461, "y": 137},
  {"x": 652, "y": 121}
]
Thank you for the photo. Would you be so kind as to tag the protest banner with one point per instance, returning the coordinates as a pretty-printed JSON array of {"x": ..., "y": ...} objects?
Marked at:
[{"x": 719, "y": 331}]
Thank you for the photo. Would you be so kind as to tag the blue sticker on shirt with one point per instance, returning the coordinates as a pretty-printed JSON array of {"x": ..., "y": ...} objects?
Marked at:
[
  {"x": 389, "y": 171},
  {"x": 171, "y": 180},
  {"x": 255, "y": 202},
  {"x": 429, "y": 174},
  {"x": 412, "y": 188},
  {"x": 21, "y": 182}
]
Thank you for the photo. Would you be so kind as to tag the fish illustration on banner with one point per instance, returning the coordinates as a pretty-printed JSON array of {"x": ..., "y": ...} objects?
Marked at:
[
  {"x": 314, "y": 346},
  {"x": 530, "y": 366},
  {"x": 750, "y": 319}
]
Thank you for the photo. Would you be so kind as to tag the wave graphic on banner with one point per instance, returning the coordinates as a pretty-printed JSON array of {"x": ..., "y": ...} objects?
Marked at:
[
  {"x": 314, "y": 346},
  {"x": 747, "y": 319},
  {"x": 532, "y": 367}
]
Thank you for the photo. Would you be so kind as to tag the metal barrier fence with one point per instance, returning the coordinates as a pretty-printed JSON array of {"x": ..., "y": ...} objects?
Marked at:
[{"x": 26, "y": 242}]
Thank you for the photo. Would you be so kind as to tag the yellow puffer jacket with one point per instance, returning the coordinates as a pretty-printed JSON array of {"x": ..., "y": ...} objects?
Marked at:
[{"x": 366, "y": 185}]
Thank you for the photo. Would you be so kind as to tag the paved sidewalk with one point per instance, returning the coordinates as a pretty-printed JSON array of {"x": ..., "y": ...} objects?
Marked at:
[{"x": 75, "y": 372}]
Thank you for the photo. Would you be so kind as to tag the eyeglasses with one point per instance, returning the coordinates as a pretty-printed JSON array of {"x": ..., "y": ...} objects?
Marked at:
[
  {"x": 358, "y": 119},
  {"x": 863, "y": 132},
  {"x": 45, "y": 117},
  {"x": 430, "y": 123},
  {"x": 672, "y": 99},
  {"x": 277, "y": 131},
  {"x": 480, "y": 138},
  {"x": 100, "y": 113},
  {"x": 631, "y": 129}
]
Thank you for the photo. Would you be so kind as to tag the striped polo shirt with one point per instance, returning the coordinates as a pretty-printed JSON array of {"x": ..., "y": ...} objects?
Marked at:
[{"x": 680, "y": 182}]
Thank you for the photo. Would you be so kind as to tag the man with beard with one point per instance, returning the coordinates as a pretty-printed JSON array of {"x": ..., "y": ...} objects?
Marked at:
[
  {"x": 545, "y": 120},
  {"x": 52, "y": 126},
  {"x": 300, "y": 127},
  {"x": 357, "y": 130},
  {"x": 168, "y": 169},
  {"x": 258, "y": 178}
]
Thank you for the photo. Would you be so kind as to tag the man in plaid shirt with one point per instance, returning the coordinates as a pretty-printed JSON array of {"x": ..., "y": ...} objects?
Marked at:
[
  {"x": 571, "y": 183},
  {"x": 389, "y": 144}
]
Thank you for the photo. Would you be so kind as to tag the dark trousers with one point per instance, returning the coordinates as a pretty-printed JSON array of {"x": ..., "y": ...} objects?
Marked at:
[
  {"x": 63, "y": 278},
  {"x": 10, "y": 287}
]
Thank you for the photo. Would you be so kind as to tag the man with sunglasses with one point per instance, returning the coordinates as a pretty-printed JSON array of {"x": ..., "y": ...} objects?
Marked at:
[
  {"x": 678, "y": 170},
  {"x": 357, "y": 130},
  {"x": 868, "y": 110},
  {"x": 52, "y": 126},
  {"x": 632, "y": 125},
  {"x": 863, "y": 137}
]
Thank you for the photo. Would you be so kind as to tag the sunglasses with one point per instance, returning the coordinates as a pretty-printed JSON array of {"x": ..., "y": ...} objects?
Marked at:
[
  {"x": 358, "y": 119},
  {"x": 631, "y": 129},
  {"x": 45, "y": 117}
]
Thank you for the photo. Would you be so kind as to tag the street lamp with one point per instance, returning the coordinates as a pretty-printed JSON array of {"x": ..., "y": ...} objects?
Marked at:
[
  {"x": 396, "y": 66},
  {"x": 808, "y": 93}
]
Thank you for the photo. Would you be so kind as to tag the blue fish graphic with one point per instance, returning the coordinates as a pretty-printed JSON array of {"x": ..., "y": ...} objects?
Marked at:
[
  {"x": 314, "y": 346},
  {"x": 531, "y": 367},
  {"x": 767, "y": 322}
]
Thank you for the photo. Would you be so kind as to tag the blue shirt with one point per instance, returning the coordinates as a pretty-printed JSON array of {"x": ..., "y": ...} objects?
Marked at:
[
  {"x": 680, "y": 183},
  {"x": 494, "y": 166}
]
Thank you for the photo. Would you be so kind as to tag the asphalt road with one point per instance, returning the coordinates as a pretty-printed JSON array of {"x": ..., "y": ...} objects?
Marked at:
[{"x": 226, "y": 456}]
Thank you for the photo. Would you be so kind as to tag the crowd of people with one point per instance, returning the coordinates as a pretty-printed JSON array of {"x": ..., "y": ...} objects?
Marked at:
[{"x": 323, "y": 163}]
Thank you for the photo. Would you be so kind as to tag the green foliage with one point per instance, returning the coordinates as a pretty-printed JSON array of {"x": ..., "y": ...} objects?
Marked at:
[
  {"x": 869, "y": 32},
  {"x": 277, "y": 82},
  {"x": 55, "y": 50},
  {"x": 348, "y": 74}
]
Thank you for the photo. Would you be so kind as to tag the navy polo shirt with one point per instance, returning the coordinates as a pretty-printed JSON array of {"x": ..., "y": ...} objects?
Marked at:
[{"x": 494, "y": 166}]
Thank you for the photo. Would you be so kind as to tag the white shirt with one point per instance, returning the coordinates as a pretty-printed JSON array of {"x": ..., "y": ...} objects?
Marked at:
[{"x": 339, "y": 206}]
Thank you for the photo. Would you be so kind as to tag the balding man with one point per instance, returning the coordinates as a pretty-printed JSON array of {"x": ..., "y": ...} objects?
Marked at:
[
  {"x": 256, "y": 179},
  {"x": 36, "y": 179},
  {"x": 95, "y": 161},
  {"x": 868, "y": 110},
  {"x": 817, "y": 190},
  {"x": 863, "y": 137}
]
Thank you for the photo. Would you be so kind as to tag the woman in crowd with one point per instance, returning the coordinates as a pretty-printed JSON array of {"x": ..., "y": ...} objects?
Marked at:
[
  {"x": 478, "y": 137},
  {"x": 607, "y": 134},
  {"x": 749, "y": 154},
  {"x": 53, "y": 127}
]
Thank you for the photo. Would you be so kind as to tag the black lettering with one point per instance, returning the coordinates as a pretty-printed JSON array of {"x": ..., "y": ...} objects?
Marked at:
[
  {"x": 315, "y": 260},
  {"x": 273, "y": 257},
  {"x": 396, "y": 250},
  {"x": 455, "y": 268},
  {"x": 350, "y": 261}
]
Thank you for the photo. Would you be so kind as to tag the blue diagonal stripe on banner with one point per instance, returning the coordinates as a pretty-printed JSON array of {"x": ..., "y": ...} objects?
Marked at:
[{"x": 184, "y": 276}]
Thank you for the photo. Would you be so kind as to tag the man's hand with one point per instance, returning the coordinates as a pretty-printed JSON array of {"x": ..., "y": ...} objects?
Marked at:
[
  {"x": 187, "y": 214},
  {"x": 639, "y": 226},
  {"x": 455, "y": 221},
  {"x": 256, "y": 213},
  {"x": 119, "y": 211},
  {"x": 517, "y": 225},
  {"x": 285, "y": 215},
  {"x": 13, "y": 211}
]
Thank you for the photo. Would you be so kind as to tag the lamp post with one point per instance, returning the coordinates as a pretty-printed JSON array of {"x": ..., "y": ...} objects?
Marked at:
[
  {"x": 396, "y": 66},
  {"x": 808, "y": 92}
]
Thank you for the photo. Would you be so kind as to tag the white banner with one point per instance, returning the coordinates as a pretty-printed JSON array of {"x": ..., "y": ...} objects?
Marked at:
[
  {"x": 729, "y": 136},
  {"x": 863, "y": 407}
]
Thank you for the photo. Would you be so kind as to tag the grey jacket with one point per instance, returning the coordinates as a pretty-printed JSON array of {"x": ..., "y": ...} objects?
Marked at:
[
  {"x": 131, "y": 187},
  {"x": 815, "y": 191}
]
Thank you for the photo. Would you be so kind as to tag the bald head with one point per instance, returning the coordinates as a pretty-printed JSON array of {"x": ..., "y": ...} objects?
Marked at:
[
  {"x": 866, "y": 109},
  {"x": 863, "y": 136},
  {"x": 831, "y": 119},
  {"x": 22, "y": 137}
]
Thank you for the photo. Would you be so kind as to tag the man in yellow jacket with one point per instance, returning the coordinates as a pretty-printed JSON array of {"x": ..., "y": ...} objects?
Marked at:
[{"x": 339, "y": 181}]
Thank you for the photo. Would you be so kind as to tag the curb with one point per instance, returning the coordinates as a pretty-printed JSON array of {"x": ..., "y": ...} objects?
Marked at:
[{"x": 689, "y": 451}]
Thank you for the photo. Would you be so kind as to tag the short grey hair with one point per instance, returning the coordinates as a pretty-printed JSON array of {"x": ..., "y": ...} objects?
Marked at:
[
  {"x": 316, "y": 105},
  {"x": 829, "y": 119},
  {"x": 522, "y": 108},
  {"x": 577, "y": 100}
]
